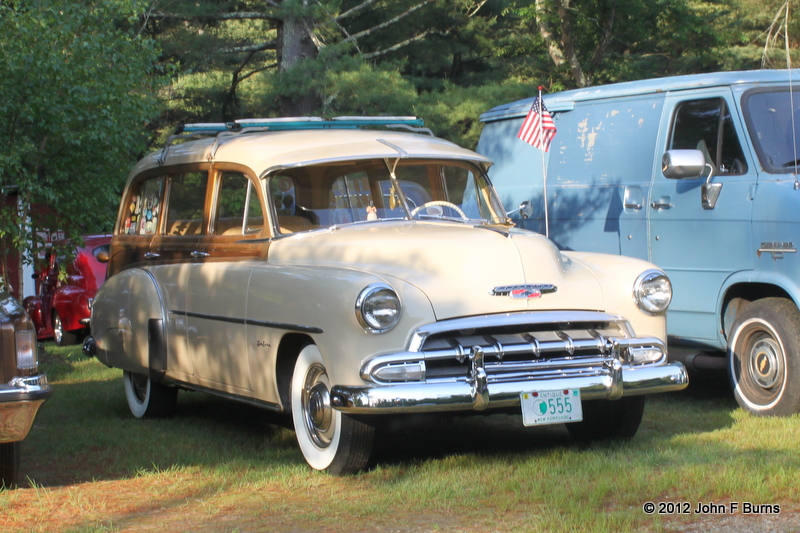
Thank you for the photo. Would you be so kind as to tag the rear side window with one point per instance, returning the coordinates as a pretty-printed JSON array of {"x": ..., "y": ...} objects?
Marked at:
[
  {"x": 144, "y": 208},
  {"x": 187, "y": 196},
  {"x": 238, "y": 206},
  {"x": 706, "y": 125}
]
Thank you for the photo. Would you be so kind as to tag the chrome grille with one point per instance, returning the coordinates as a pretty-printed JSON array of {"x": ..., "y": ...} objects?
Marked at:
[{"x": 524, "y": 352}]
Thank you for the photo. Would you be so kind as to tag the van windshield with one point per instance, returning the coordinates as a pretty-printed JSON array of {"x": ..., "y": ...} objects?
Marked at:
[
  {"x": 320, "y": 196},
  {"x": 773, "y": 119}
]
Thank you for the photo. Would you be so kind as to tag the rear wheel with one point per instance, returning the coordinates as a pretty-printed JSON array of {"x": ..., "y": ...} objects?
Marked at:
[
  {"x": 329, "y": 439},
  {"x": 9, "y": 463},
  {"x": 62, "y": 337},
  {"x": 609, "y": 419},
  {"x": 147, "y": 399},
  {"x": 764, "y": 357}
]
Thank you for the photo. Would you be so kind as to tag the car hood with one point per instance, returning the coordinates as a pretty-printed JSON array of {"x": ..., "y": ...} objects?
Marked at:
[{"x": 456, "y": 265}]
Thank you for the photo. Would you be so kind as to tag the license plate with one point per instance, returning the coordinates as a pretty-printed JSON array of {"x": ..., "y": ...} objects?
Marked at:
[{"x": 551, "y": 407}]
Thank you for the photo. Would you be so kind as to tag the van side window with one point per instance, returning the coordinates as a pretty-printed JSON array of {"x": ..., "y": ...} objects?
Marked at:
[
  {"x": 238, "y": 207},
  {"x": 144, "y": 208},
  {"x": 706, "y": 125},
  {"x": 187, "y": 196}
]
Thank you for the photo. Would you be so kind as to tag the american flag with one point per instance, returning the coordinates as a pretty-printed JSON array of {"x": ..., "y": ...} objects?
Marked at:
[{"x": 538, "y": 128}]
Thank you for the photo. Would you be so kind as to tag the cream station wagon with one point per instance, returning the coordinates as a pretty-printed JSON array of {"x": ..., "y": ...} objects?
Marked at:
[{"x": 350, "y": 270}]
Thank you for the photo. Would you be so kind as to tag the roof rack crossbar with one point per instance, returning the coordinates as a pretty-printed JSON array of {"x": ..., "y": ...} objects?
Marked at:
[{"x": 300, "y": 123}]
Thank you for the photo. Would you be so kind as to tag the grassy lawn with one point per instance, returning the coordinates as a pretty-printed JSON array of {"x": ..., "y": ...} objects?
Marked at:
[{"x": 220, "y": 466}]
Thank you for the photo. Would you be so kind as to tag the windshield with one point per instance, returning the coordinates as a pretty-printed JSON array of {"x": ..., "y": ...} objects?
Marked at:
[
  {"x": 325, "y": 195},
  {"x": 773, "y": 118}
]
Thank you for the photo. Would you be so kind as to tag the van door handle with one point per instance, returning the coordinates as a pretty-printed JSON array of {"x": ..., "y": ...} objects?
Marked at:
[
  {"x": 198, "y": 255},
  {"x": 151, "y": 255},
  {"x": 661, "y": 203}
]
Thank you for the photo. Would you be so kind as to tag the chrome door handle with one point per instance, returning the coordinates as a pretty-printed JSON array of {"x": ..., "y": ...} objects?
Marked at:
[
  {"x": 632, "y": 205},
  {"x": 661, "y": 203},
  {"x": 151, "y": 255},
  {"x": 198, "y": 255}
]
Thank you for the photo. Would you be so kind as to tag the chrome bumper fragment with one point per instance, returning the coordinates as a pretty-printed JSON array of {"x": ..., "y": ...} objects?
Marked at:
[
  {"x": 20, "y": 400},
  {"x": 476, "y": 394}
]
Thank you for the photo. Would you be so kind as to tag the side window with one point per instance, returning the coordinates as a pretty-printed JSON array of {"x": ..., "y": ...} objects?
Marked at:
[
  {"x": 144, "y": 208},
  {"x": 706, "y": 125},
  {"x": 187, "y": 196},
  {"x": 293, "y": 216},
  {"x": 238, "y": 207}
]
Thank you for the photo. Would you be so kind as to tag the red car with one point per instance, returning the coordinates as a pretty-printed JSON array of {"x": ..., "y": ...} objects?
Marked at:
[{"x": 60, "y": 309}]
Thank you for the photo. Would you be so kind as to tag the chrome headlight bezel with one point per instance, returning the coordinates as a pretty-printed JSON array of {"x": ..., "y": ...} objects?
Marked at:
[
  {"x": 378, "y": 308},
  {"x": 652, "y": 292}
]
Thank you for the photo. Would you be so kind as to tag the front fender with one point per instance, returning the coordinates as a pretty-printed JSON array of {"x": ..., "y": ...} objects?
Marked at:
[
  {"x": 122, "y": 309},
  {"x": 323, "y": 299},
  {"x": 617, "y": 275}
]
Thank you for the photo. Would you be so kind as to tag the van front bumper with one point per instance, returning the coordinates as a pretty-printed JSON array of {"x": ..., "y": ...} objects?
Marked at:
[
  {"x": 20, "y": 400},
  {"x": 477, "y": 394}
]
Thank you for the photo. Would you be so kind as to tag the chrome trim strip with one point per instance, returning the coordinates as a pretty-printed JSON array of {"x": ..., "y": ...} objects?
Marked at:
[
  {"x": 456, "y": 395},
  {"x": 250, "y": 322}
]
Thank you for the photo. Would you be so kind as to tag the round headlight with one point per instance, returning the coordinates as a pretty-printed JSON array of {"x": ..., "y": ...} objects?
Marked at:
[
  {"x": 653, "y": 292},
  {"x": 378, "y": 308}
]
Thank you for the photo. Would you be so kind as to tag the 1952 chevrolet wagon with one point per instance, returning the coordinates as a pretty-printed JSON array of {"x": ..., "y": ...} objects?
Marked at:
[{"x": 352, "y": 269}]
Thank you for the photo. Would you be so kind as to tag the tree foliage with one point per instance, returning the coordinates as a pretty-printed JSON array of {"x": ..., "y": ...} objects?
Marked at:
[
  {"x": 78, "y": 88},
  {"x": 80, "y": 82}
]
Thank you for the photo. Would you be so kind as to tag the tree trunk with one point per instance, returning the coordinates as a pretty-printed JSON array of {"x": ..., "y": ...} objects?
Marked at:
[
  {"x": 562, "y": 48},
  {"x": 296, "y": 45}
]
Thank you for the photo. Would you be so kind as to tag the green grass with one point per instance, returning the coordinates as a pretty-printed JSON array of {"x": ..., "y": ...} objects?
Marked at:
[{"x": 222, "y": 466}]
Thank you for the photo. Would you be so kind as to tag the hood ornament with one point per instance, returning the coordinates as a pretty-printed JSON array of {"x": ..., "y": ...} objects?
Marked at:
[{"x": 524, "y": 291}]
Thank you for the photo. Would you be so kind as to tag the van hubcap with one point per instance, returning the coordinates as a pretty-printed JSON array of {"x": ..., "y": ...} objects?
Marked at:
[{"x": 766, "y": 362}]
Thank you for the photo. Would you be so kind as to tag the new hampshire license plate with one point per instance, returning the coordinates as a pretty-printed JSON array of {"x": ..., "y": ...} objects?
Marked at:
[{"x": 551, "y": 407}]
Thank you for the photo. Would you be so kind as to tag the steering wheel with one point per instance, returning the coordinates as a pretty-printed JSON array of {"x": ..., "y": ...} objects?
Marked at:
[{"x": 442, "y": 203}]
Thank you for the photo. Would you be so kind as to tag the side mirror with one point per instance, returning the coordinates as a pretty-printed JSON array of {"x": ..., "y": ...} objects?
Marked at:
[
  {"x": 102, "y": 256},
  {"x": 689, "y": 164},
  {"x": 683, "y": 164},
  {"x": 525, "y": 210}
]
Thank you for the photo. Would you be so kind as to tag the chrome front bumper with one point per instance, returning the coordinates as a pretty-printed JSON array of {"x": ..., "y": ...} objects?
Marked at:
[
  {"x": 20, "y": 400},
  {"x": 477, "y": 394}
]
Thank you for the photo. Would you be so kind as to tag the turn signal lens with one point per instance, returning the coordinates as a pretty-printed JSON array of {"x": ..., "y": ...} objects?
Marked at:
[{"x": 26, "y": 349}]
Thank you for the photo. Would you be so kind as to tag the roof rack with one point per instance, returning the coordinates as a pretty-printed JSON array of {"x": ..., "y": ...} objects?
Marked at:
[
  {"x": 301, "y": 123},
  {"x": 246, "y": 125}
]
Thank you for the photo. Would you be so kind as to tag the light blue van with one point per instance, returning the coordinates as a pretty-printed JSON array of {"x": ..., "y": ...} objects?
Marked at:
[{"x": 698, "y": 174}]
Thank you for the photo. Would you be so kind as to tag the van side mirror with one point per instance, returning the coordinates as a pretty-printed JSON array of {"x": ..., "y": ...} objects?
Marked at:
[
  {"x": 683, "y": 164},
  {"x": 688, "y": 164}
]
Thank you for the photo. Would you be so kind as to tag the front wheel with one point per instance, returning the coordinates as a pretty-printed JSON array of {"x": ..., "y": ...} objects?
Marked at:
[
  {"x": 62, "y": 337},
  {"x": 764, "y": 357},
  {"x": 329, "y": 439},
  {"x": 147, "y": 399},
  {"x": 609, "y": 419}
]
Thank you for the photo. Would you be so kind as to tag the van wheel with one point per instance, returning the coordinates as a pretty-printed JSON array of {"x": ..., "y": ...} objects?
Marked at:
[
  {"x": 764, "y": 357},
  {"x": 329, "y": 439},
  {"x": 147, "y": 399},
  {"x": 62, "y": 338},
  {"x": 9, "y": 463},
  {"x": 609, "y": 419}
]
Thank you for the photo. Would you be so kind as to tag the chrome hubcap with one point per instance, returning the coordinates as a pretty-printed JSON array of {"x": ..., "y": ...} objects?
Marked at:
[
  {"x": 766, "y": 362},
  {"x": 317, "y": 411}
]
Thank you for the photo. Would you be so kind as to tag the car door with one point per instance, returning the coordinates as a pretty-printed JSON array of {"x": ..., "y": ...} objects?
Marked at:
[
  {"x": 218, "y": 277},
  {"x": 698, "y": 245}
]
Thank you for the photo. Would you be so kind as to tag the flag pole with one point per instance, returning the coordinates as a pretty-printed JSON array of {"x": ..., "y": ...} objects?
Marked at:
[{"x": 544, "y": 166}]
